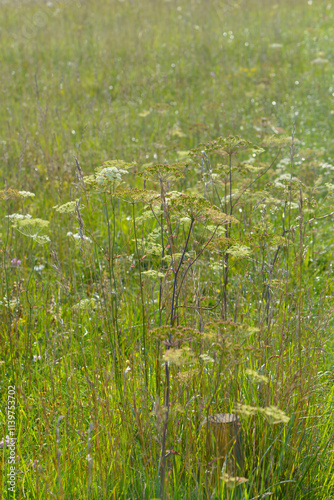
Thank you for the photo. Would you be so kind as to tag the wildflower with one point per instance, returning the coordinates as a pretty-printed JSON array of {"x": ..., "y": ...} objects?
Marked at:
[
  {"x": 187, "y": 375},
  {"x": 33, "y": 464},
  {"x": 36, "y": 358},
  {"x": 32, "y": 228},
  {"x": 85, "y": 304},
  {"x": 206, "y": 359},
  {"x": 18, "y": 216},
  {"x": 256, "y": 377},
  {"x": 178, "y": 356},
  {"x": 10, "y": 303},
  {"x": 67, "y": 208},
  {"x": 239, "y": 251},
  {"x": 15, "y": 262},
  {"x": 213, "y": 74},
  {"x": 275, "y": 45},
  {"x": 39, "y": 268},
  {"x": 319, "y": 60},
  {"x": 111, "y": 171},
  {"x": 176, "y": 131},
  {"x": 154, "y": 274},
  {"x": 4, "y": 442},
  {"x": 144, "y": 113},
  {"x": 77, "y": 237},
  {"x": 233, "y": 481},
  {"x": 27, "y": 194}
]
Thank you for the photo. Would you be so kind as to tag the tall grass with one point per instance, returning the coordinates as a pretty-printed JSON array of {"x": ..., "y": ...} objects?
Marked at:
[{"x": 188, "y": 276}]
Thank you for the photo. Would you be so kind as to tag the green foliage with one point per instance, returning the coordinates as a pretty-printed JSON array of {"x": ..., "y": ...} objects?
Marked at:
[{"x": 193, "y": 281}]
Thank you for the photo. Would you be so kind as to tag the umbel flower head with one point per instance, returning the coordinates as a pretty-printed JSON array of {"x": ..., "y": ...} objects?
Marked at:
[
  {"x": 110, "y": 173},
  {"x": 13, "y": 194},
  {"x": 178, "y": 357},
  {"x": 33, "y": 228},
  {"x": 164, "y": 172},
  {"x": 26, "y": 194},
  {"x": 256, "y": 377},
  {"x": 223, "y": 146},
  {"x": 67, "y": 208},
  {"x": 196, "y": 208}
]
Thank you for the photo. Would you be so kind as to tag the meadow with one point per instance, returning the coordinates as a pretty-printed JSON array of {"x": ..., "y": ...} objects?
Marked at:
[{"x": 166, "y": 243}]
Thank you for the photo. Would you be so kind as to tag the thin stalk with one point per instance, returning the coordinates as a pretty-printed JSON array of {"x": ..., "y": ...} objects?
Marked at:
[
  {"x": 228, "y": 234},
  {"x": 158, "y": 374},
  {"x": 176, "y": 275},
  {"x": 300, "y": 291},
  {"x": 141, "y": 294},
  {"x": 112, "y": 280},
  {"x": 162, "y": 256}
]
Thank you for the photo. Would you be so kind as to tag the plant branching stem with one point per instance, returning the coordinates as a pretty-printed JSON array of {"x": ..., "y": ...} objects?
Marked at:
[{"x": 164, "y": 434}]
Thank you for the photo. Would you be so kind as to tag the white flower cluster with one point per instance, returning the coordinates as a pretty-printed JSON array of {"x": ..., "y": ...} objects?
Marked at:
[
  {"x": 78, "y": 238},
  {"x": 285, "y": 178},
  {"x": 18, "y": 216},
  {"x": 27, "y": 194},
  {"x": 328, "y": 167},
  {"x": 108, "y": 174}
]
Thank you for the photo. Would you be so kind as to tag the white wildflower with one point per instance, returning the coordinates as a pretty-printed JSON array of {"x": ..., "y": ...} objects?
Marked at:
[
  {"x": 27, "y": 194},
  {"x": 110, "y": 172},
  {"x": 18, "y": 216},
  {"x": 78, "y": 238},
  {"x": 39, "y": 268}
]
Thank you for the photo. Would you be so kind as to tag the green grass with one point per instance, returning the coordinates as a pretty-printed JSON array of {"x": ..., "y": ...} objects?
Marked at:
[{"x": 167, "y": 277}]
